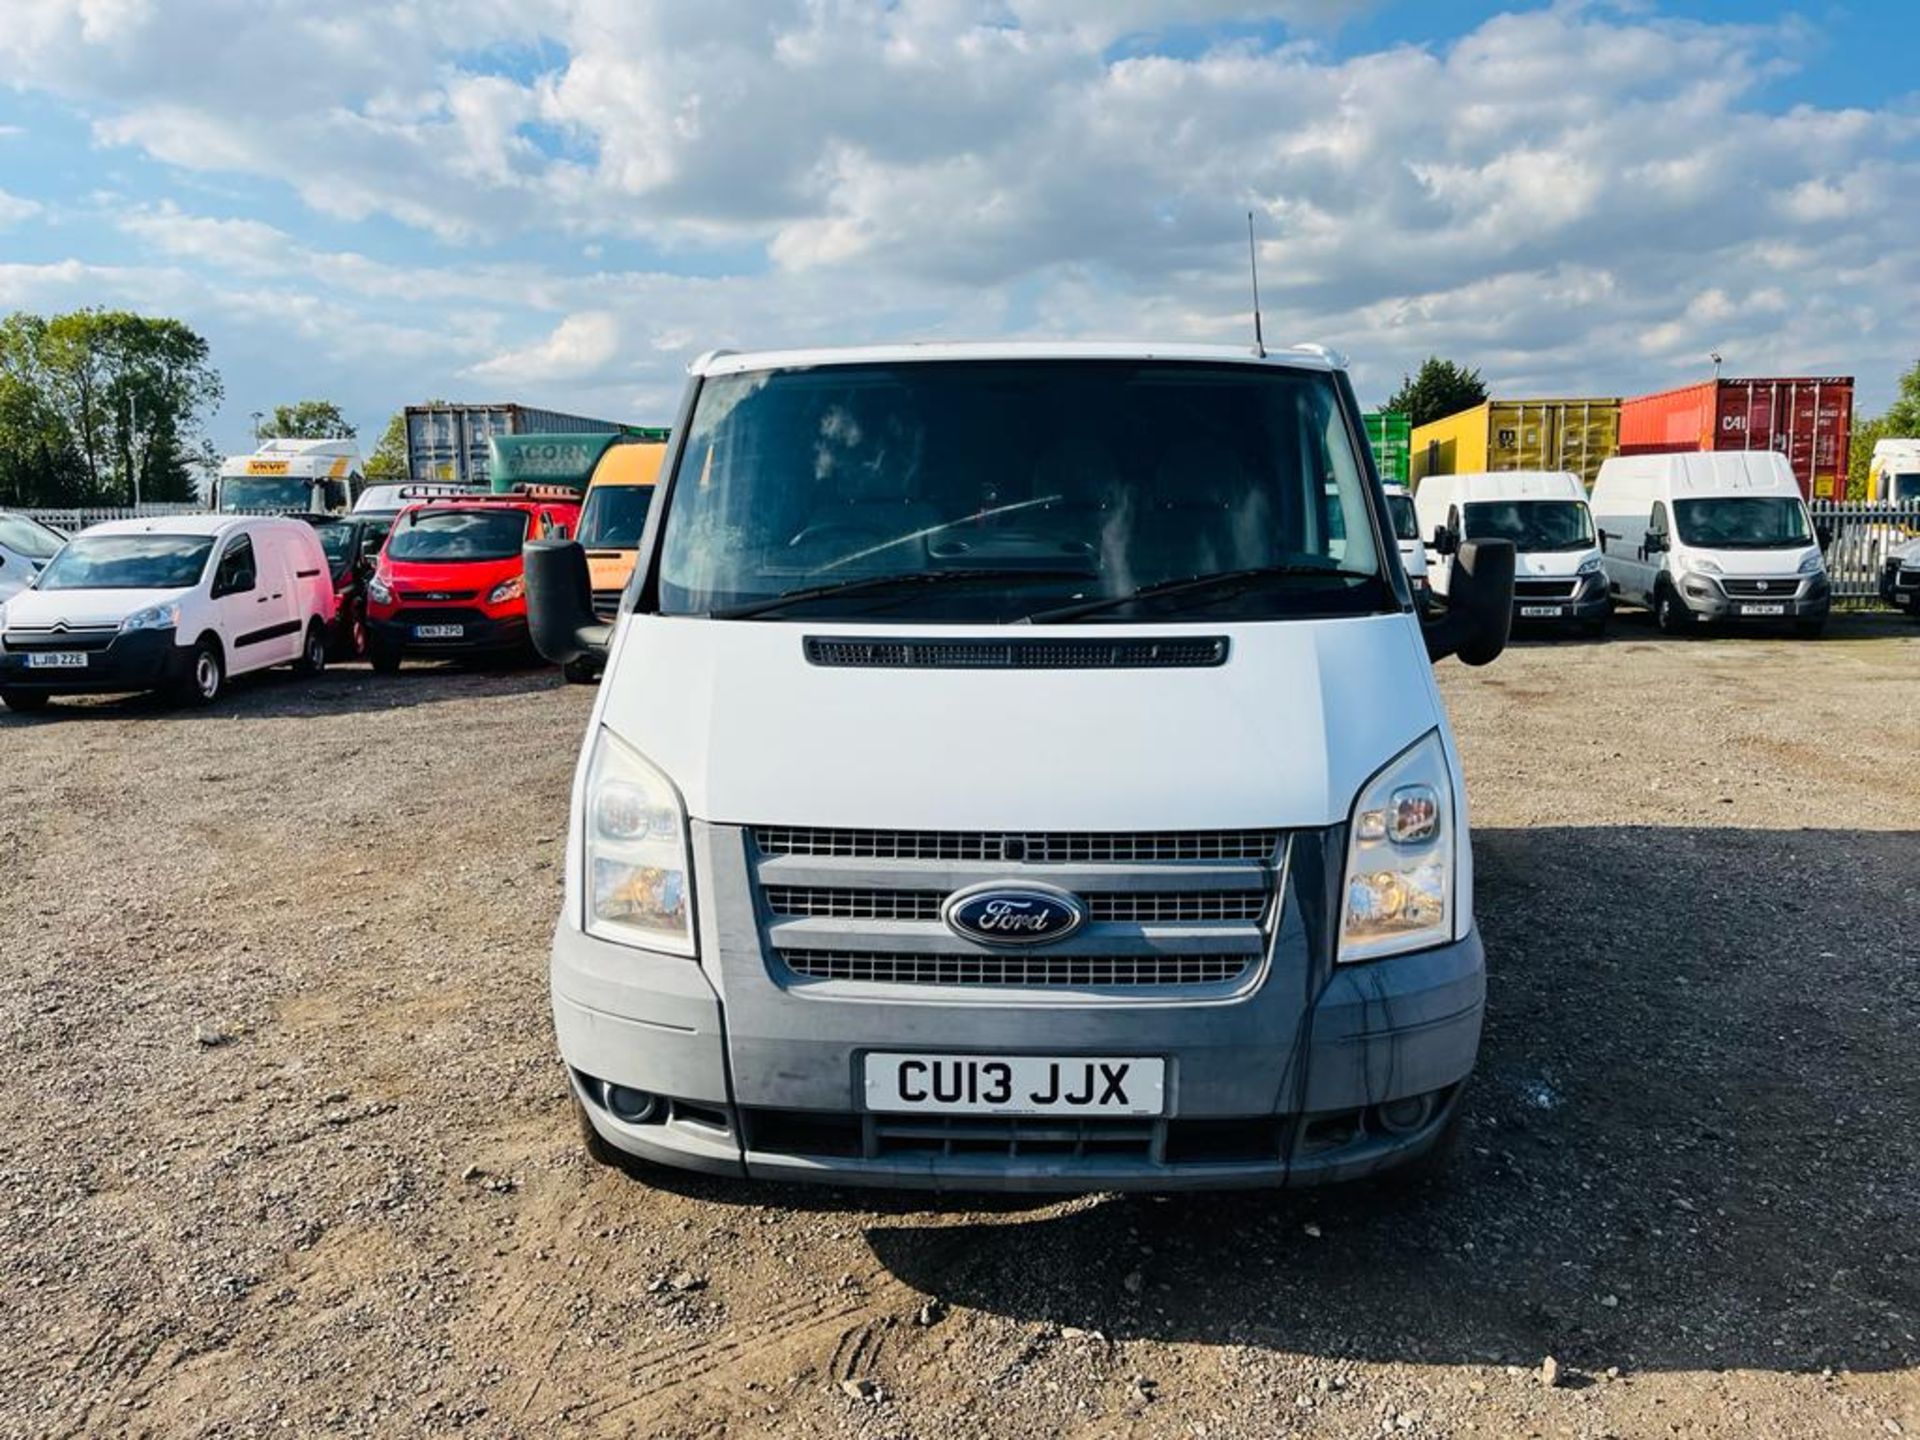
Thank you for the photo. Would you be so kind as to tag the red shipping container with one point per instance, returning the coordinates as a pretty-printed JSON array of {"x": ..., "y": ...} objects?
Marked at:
[{"x": 1807, "y": 419}]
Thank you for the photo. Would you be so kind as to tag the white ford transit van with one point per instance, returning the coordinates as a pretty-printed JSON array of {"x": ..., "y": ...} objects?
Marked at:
[
  {"x": 1405, "y": 521},
  {"x": 1019, "y": 766},
  {"x": 1717, "y": 536},
  {"x": 175, "y": 603},
  {"x": 1557, "y": 576}
]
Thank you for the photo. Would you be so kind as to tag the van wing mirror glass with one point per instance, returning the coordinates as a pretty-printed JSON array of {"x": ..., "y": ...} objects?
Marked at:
[
  {"x": 1479, "y": 613},
  {"x": 560, "y": 602},
  {"x": 1824, "y": 533}
]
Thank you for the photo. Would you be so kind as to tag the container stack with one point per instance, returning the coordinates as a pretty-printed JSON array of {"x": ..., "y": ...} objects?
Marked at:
[
  {"x": 1577, "y": 435},
  {"x": 1808, "y": 419}
]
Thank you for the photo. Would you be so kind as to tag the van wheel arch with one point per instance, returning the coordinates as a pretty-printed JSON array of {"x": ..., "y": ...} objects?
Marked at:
[
  {"x": 194, "y": 688},
  {"x": 313, "y": 651}
]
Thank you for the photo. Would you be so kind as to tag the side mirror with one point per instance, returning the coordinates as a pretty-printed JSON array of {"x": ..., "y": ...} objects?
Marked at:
[
  {"x": 1824, "y": 533},
  {"x": 1445, "y": 542},
  {"x": 1479, "y": 613},
  {"x": 1602, "y": 537},
  {"x": 560, "y": 614},
  {"x": 1655, "y": 543}
]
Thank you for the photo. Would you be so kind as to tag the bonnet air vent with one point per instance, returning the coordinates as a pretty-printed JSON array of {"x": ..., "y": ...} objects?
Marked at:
[{"x": 1185, "y": 652}]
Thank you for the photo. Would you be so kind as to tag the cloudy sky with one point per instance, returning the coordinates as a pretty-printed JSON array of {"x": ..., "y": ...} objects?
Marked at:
[{"x": 561, "y": 201}]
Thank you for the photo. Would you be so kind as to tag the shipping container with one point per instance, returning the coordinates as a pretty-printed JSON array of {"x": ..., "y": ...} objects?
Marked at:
[
  {"x": 557, "y": 459},
  {"x": 1570, "y": 434},
  {"x": 448, "y": 443},
  {"x": 1390, "y": 434},
  {"x": 1808, "y": 419}
]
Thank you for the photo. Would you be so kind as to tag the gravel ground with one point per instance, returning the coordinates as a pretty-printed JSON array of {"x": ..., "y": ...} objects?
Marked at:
[{"x": 285, "y": 1145}]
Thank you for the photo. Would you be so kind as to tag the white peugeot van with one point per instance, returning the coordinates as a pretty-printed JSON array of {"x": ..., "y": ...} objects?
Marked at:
[
  {"x": 1019, "y": 766},
  {"x": 175, "y": 603},
  {"x": 1557, "y": 578},
  {"x": 1405, "y": 522},
  {"x": 1717, "y": 536}
]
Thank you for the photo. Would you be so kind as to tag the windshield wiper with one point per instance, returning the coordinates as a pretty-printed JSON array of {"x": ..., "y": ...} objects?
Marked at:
[
  {"x": 904, "y": 580},
  {"x": 1221, "y": 580}
]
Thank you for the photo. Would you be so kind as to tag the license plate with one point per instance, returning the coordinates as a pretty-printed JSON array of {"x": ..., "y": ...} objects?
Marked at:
[
  {"x": 57, "y": 660},
  {"x": 1015, "y": 1084},
  {"x": 1540, "y": 612},
  {"x": 1763, "y": 609},
  {"x": 438, "y": 632}
]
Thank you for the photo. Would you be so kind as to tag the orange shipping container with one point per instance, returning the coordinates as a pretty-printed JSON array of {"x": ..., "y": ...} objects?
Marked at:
[{"x": 1808, "y": 419}]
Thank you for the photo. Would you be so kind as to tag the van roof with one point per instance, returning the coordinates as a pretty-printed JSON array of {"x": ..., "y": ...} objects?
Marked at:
[
  {"x": 1299, "y": 357},
  {"x": 184, "y": 524},
  {"x": 632, "y": 464},
  {"x": 1515, "y": 485},
  {"x": 1711, "y": 472}
]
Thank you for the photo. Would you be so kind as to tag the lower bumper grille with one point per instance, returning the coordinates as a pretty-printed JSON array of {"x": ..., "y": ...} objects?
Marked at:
[
  {"x": 902, "y": 968},
  {"x": 1545, "y": 589},
  {"x": 1251, "y": 1140}
]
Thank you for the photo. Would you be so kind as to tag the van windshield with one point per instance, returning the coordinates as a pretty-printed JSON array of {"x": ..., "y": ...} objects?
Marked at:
[
  {"x": 614, "y": 516},
  {"x": 263, "y": 492},
  {"x": 1904, "y": 489},
  {"x": 128, "y": 562},
  {"x": 1532, "y": 525},
  {"x": 447, "y": 536},
  {"x": 28, "y": 538},
  {"x": 996, "y": 490},
  {"x": 1743, "y": 522},
  {"x": 1406, "y": 524}
]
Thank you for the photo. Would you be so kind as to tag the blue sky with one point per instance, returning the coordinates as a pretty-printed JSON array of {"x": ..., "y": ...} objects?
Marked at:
[{"x": 561, "y": 201}]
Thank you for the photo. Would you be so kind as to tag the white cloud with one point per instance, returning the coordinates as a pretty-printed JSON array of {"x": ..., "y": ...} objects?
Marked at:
[
  {"x": 579, "y": 345},
  {"x": 15, "y": 208}
]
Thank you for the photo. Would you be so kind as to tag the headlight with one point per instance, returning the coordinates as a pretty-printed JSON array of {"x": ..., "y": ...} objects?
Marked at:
[
  {"x": 1701, "y": 565},
  {"x": 378, "y": 592},
  {"x": 507, "y": 590},
  {"x": 1811, "y": 564},
  {"x": 639, "y": 888},
  {"x": 154, "y": 617},
  {"x": 1592, "y": 565},
  {"x": 1400, "y": 851}
]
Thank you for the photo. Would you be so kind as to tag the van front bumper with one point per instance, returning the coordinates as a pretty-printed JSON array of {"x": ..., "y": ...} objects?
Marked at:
[
  {"x": 136, "y": 660},
  {"x": 1800, "y": 598},
  {"x": 1404, "y": 1029},
  {"x": 480, "y": 633}
]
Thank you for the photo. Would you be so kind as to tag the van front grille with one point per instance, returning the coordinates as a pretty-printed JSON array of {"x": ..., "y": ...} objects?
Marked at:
[
  {"x": 1021, "y": 847},
  {"x": 1544, "y": 589},
  {"x": 1177, "y": 907},
  {"x": 91, "y": 640},
  {"x": 1781, "y": 589},
  {"x": 1045, "y": 654},
  {"x": 881, "y": 967}
]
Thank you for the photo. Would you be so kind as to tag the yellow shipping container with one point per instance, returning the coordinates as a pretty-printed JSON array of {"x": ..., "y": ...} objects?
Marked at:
[{"x": 1576, "y": 435}]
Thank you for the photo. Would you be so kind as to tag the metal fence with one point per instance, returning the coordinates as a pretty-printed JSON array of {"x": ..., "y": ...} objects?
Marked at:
[
  {"x": 1861, "y": 534},
  {"x": 75, "y": 520}
]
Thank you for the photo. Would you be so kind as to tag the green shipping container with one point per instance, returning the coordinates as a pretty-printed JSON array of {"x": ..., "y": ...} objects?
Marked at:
[
  {"x": 555, "y": 459},
  {"x": 1391, "y": 435}
]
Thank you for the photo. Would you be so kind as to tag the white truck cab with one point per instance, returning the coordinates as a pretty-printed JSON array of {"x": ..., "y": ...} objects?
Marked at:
[
  {"x": 175, "y": 603},
  {"x": 1019, "y": 766},
  {"x": 291, "y": 477},
  {"x": 1893, "y": 472},
  {"x": 1723, "y": 536},
  {"x": 1557, "y": 575},
  {"x": 1405, "y": 522},
  {"x": 25, "y": 547}
]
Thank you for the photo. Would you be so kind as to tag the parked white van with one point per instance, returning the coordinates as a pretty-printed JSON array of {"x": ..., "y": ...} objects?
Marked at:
[
  {"x": 1557, "y": 577},
  {"x": 1406, "y": 533},
  {"x": 175, "y": 603},
  {"x": 25, "y": 546},
  {"x": 1019, "y": 766},
  {"x": 1722, "y": 535}
]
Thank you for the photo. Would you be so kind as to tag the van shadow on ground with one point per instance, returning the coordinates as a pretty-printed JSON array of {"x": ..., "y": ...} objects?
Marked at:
[{"x": 1694, "y": 1142}]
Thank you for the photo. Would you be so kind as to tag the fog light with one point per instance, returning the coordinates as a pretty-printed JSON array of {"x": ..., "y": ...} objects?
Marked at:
[
  {"x": 1403, "y": 1117},
  {"x": 632, "y": 1106}
]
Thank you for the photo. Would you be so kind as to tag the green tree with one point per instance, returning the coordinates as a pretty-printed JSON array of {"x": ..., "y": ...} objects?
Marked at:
[
  {"x": 1439, "y": 388},
  {"x": 388, "y": 463},
  {"x": 115, "y": 394},
  {"x": 308, "y": 420}
]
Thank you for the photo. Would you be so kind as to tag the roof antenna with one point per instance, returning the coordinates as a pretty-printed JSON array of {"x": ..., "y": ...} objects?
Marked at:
[{"x": 1253, "y": 266}]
